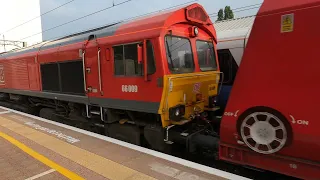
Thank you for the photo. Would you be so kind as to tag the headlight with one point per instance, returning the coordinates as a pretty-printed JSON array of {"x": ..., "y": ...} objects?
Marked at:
[
  {"x": 196, "y": 31},
  {"x": 212, "y": 101},
  {"x": 193, "y": 31},
  {"x": 176, "y": 112}
]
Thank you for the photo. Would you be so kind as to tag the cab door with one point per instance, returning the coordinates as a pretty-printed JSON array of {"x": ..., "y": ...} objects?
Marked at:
[
  {"x": 91, "y": 67},
  {"x": 105, "y": 69}
]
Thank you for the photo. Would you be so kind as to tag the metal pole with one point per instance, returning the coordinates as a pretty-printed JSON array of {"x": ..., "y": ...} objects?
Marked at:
[{"x": 4, "y": 43}]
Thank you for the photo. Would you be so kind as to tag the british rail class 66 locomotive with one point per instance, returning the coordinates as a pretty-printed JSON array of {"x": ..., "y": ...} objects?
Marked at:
[{"x": 152, "y": 80}]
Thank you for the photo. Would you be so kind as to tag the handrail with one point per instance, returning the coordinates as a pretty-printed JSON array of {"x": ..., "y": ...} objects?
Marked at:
[
  {"x": 99, "y": 70},
  {"x": 84, "y": 72}
]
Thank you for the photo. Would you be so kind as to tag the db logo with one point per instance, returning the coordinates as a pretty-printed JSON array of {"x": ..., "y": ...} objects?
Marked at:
[{"x": 196, "y": 87}]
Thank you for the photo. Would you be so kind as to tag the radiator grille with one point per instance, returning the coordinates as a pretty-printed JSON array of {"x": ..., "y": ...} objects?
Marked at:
[
  {"x": 50, "y": 77},
  {"x": 72, "y": 77},
  {"x": 63, "y": 77}
]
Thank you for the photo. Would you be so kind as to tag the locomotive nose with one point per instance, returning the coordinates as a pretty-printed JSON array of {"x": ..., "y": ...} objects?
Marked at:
[{"x": 189, "y": 96}]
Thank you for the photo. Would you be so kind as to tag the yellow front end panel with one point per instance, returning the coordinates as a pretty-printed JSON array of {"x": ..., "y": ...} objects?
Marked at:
[{"x": 183, "y": 89}]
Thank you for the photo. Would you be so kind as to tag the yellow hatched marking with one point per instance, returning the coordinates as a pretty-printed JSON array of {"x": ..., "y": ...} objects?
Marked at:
[
  {"x": 96, "y": 163},
  {"x": 41, "y": 158}
]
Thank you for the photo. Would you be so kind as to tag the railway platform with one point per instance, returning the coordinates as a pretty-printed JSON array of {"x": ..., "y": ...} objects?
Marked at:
[{"x": 36, "y": 148}]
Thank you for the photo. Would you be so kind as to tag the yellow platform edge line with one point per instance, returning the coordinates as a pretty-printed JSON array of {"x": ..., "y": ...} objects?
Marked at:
[{"x": 65, "y": 172}]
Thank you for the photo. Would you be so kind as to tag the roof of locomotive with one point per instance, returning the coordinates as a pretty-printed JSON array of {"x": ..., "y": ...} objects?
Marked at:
[
  {"x": 157, "y": 19},
  {"x": 107, "y": 30},
  {"x": 79, "y": 37}
]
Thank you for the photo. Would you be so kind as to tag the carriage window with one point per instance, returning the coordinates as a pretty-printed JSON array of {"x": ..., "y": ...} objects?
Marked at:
[
  {"x": 126, "y": 60},
  {"x": 206, "y": 56},
  {"x": 228, "y": 66}
]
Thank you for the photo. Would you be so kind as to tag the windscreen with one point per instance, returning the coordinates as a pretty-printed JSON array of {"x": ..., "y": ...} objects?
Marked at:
[
  {"x": 179, "y": 54},
  {"x": 206, "y": 56}
]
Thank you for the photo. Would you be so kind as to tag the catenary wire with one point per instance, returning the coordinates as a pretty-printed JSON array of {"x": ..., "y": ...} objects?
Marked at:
[
  {"x": 127, "y": 19},
  {"x": 77, "y": 19},
  {"x": 241, "y": 7},
  {"x": 238, "y": 11},
  {"x": 37, "y": 17}
]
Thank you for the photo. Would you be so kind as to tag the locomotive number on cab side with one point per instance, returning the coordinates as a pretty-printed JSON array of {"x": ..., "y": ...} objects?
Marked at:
[{"x": 129, "y": 88}]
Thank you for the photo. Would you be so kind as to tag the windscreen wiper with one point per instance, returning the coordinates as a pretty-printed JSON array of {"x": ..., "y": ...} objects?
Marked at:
[{"x": 169, "y": 52}]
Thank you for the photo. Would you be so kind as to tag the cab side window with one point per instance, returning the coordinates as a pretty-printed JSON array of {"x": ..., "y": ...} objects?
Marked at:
[
  {"x": 118, "y": 60},
  {"x": 126, "y": 60}
]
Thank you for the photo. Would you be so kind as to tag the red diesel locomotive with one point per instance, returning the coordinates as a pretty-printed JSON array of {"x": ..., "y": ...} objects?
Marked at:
[
  {"x": 136, "y": 79},
  {"x": 155, "y": 80}
]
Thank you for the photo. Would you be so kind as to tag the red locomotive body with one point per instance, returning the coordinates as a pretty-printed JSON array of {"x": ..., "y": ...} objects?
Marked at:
[
  {"x": 136, "y": 79},
  {"x": 46, "y": 70},
  {"x": 271, "y": 120}
]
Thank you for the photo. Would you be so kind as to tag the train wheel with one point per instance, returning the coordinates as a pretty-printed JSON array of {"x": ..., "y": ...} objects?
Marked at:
[
  {"x": 264, "y": 132},
  {"x": 46, "y": 113}
]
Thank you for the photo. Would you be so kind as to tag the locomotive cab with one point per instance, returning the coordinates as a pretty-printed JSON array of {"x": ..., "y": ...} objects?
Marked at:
[
  {"x": 191, "y": 73},
  {"x": 190, "y": 81},
  {"x": 179, "y": 48}
]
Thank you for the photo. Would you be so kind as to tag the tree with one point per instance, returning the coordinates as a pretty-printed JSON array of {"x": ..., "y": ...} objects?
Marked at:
[
  {"x": 228, "y": 13},
  {"x": 220, "y": 15},
  {"x": 225, "y": 14}
]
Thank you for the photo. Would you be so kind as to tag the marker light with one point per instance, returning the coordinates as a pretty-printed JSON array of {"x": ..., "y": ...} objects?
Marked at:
[
  {"x": 177, "y": 112},
  {"x": 196, "y": 31}
]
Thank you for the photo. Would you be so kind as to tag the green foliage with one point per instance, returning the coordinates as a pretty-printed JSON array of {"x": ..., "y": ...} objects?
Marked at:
[
  {"x": 228, "y": 13},
  {"x": 220, "y": 15},
  {"x": 225, "y": 14}
]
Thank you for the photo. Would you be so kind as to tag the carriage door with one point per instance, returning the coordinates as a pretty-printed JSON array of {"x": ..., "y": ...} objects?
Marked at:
[{"x": 92, "y": 78}]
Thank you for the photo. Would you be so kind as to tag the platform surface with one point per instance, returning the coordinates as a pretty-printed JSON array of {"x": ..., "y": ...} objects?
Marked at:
[{"x": 36, "y": 148}]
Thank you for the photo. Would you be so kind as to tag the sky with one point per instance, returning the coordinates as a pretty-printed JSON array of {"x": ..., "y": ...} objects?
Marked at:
[
  {"x": 79, "y": 8},
  {"x": 23, "y": 11},
  {"x": 15, "y": 12}
]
